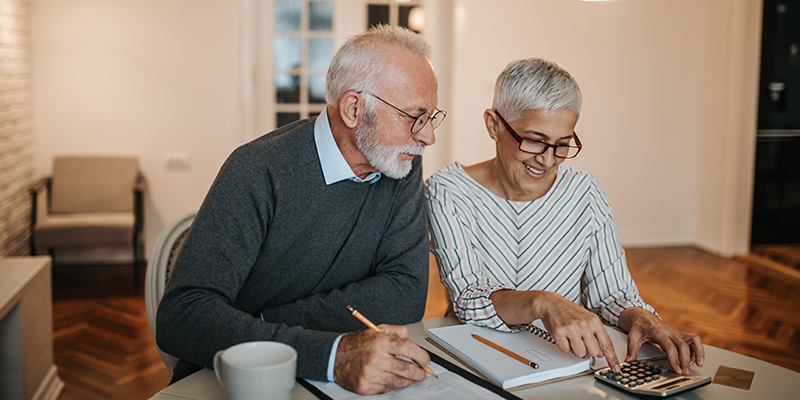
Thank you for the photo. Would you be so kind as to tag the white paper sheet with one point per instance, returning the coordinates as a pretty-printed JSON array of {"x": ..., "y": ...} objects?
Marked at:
[{"x": 448, "y": 385}]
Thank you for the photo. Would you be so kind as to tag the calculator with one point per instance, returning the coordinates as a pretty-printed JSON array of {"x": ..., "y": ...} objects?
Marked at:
[{"x": 649, "y": 379}]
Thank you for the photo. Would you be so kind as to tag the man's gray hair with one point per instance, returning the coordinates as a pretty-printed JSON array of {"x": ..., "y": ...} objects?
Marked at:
[
  {"x": 361, "y": 62},
  {"x": 535, "y": 84}
]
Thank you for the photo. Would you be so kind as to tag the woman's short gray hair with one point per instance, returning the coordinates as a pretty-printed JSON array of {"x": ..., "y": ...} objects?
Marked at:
[
  {"x": 361, "y": 61},
  {"x": 535, "y": 84}
]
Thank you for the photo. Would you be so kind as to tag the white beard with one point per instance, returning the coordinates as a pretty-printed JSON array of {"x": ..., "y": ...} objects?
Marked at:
[{"x": 384, "y": 158}]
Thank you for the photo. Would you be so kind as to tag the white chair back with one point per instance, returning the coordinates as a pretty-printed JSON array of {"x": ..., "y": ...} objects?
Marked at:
[{"x": 159, "y": 269}]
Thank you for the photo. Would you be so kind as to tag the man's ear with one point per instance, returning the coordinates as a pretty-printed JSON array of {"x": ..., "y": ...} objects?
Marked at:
[
  {"x": 489, "y": 118},
  {"x": 351, "y": 109}
]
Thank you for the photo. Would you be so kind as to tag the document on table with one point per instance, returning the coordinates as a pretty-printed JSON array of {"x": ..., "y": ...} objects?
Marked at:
[{"x": 449, "y": 385}]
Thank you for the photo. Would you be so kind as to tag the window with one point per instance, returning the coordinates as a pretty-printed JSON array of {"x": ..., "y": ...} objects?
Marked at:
[
  {"x": 287, "y": 46},
  {"x": 407, "y": 14},
  {"x": 302, "y": 49}
]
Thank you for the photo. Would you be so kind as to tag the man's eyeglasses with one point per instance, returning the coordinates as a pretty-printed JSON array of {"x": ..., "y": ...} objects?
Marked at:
[
  {"x": 539, "y": 147},
  {"x": 420, "y": 120}
]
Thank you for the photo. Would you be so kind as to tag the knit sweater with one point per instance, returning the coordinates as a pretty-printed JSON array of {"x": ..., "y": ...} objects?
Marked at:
[{"x": 272, "y": 240}]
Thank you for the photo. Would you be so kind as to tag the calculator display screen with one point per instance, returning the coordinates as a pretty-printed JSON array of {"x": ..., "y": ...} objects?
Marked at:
[{"x": 668, "y": 384}]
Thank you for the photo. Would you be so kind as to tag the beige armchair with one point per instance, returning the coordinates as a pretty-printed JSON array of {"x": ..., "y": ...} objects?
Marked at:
[{"x": 89, "y": 201}]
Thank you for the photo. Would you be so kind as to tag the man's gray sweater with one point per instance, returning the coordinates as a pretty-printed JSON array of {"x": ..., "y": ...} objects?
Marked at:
[{"x": 272, "y": 239}]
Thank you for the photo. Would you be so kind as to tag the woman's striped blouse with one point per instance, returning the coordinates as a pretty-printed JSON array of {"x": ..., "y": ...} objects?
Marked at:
[{"x": 564, "y": 242}]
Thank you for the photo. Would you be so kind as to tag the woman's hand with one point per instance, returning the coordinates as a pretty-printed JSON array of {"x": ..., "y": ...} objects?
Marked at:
[
  {"x": 683, "y": 349},
  {"x": 575, "y": 329}
]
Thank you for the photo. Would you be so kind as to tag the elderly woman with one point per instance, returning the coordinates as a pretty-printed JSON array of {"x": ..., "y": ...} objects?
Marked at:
[{"x": 521, "y": 237}]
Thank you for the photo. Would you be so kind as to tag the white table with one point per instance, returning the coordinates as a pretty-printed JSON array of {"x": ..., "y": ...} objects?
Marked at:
[{"x": 770, "y": 381}]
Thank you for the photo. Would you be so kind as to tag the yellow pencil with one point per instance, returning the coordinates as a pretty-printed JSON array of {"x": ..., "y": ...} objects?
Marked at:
[
  {"x": 506, "y": 351},
  {"x": 375, "y": 328}
]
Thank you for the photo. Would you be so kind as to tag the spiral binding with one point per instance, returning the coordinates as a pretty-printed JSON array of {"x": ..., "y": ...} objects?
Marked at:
[{"x": 539, "y": 332}]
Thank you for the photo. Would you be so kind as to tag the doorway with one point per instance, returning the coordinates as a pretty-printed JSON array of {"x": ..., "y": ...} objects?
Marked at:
[{"x": 776, "y": 191}]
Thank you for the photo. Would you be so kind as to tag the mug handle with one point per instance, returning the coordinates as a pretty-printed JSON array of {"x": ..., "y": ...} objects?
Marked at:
[{"x": 218, "y": 365}]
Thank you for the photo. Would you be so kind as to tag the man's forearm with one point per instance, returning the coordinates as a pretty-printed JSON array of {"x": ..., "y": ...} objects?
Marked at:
[{"x": 386, "y": 298}]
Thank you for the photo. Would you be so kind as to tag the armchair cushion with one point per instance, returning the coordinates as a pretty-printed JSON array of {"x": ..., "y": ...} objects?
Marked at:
[
  {"x": 85, "y": 229},
  {"x": 93, "y": 184}
]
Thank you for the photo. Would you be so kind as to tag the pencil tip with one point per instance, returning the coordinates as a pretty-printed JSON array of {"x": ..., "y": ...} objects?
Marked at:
[{"x": 350, "y": 308}]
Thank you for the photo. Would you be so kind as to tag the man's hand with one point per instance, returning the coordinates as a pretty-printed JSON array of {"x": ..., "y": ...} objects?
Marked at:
[
  {"x": 683, "y": 349},
  {"x": 367, "y": 361},
  {"x": 574, "y": 328}
]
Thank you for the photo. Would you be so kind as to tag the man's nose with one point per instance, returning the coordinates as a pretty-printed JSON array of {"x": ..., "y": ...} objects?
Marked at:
[{"x": 426, "y": 136}]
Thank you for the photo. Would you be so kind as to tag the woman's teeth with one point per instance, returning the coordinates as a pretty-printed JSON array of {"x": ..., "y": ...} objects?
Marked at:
[{"x": 534, "y": 170}]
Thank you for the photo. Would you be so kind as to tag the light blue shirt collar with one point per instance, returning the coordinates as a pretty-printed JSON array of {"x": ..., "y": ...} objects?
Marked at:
[{"x": 334, "y": 166}]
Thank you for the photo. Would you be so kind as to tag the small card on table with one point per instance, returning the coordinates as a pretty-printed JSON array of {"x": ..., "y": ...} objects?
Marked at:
[{"x": 734, "y": 377}]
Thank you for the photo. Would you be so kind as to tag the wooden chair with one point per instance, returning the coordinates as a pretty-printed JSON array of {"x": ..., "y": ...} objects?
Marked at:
[
  {"x": 89, "y": 201},
  {"x": 438, "y": 303},
  {"x": 159, "y": 269}
]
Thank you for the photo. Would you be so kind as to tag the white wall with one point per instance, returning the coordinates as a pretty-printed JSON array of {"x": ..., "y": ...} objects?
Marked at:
[
  {"x": 141, "y": 77},
  {"x": 652, "y": 83},
  {"x": 149, "y": 77}
]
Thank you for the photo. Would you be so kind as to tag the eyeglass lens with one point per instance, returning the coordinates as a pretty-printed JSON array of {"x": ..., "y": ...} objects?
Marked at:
[
  {"x": 536, "y": 147},
  {"x": 423, "y": 118}
]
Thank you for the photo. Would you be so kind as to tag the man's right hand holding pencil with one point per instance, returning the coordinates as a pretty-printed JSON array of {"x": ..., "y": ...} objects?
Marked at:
[{"x": 368, "y": 361}]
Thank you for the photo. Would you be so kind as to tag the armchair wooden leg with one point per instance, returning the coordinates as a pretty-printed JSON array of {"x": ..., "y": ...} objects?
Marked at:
[
  {"x": 135, "y": 265},
  {"x": 138, "y": 259}
]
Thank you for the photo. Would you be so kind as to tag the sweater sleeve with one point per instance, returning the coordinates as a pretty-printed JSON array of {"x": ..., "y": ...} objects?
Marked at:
[
  {"x": 462, "y": 271},
  {"x": 196, "y": 316}
]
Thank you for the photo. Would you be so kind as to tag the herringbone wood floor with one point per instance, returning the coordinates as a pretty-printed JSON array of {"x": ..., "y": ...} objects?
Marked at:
[
  {"x": 101, "y": 338},
  {"x": 104, "y": 350}
]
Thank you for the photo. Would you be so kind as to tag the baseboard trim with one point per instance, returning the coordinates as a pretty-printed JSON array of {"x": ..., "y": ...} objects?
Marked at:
[{"x": 51, "y": 386}]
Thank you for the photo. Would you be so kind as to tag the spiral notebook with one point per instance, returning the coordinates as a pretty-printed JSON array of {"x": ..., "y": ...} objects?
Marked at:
[{"x": 532, "y": 343}]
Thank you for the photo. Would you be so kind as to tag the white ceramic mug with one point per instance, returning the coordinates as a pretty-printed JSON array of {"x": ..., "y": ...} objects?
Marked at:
[{"x": 256, "y": 370}]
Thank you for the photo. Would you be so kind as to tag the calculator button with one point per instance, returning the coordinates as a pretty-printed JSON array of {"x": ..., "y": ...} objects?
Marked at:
[{"x": 632, "y": 384}]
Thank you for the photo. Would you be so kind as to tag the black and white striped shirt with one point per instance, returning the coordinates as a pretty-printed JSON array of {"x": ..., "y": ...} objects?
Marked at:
[{"x": 564, "y": 242}]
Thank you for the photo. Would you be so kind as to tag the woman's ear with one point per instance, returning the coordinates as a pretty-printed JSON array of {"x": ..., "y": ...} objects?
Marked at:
[
  {"x": 490, "y": 119},
  {"x": 351, "y": 109}
]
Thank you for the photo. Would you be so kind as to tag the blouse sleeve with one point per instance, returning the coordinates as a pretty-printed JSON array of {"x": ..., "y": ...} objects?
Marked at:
[
  {"x": 608, "y": 287},
  {"x": 462, "y": 271}
]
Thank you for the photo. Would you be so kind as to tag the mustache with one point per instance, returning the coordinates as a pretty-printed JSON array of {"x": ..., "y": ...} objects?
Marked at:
[{"x": 416, "y": 149}]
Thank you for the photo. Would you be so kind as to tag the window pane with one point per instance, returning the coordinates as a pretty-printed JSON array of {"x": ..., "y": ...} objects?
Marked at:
[
  {"x": 287, "y": 15},
  {"x": 313, "y": 114},
  {"x": 286, "y": 52},
  {"x": 287, "y": 118},
  {"x": 320, "y": 52},
  {"x": 320, "y": 15},
  {"x": 316, "y": 89},
  {"x": 287, "y": 89},
  {"x": 377, "y": 14},
  {"x": 411, "y": 17}
]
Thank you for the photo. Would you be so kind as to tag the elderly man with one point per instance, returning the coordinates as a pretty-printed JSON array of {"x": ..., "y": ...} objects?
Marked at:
[{"x": 314, "y": 216}]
